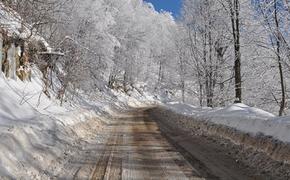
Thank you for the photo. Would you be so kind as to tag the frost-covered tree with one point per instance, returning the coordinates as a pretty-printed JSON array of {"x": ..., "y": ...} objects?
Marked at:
[{"x": 209, "y": 36}]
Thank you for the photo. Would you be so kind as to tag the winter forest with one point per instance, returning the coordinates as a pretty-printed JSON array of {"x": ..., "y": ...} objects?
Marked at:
[
  {"x": 214, "y": 54},
  {"x": 121, "y": 89}
]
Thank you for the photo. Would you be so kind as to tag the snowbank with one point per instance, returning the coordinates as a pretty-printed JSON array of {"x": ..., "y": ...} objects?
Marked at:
[
  {"x": 38, "y": 135},
  {"x": 257, "y": 151},
  {"x": 35, "y": 131},
  {"x": 241, "y": 117}
]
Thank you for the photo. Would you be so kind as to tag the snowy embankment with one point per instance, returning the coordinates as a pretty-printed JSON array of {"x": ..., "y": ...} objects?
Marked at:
[
  {"x": 241, "y": 117},
  {"x": 38, "y": 137},
  {"x": 249, "y": 127},
  {"x": 34, "y": 129}
]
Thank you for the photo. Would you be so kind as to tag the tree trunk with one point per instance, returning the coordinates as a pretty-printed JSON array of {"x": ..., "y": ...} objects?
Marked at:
[
  {"x": 210, "y": 75},
  {"x": 160, "y": 73},
  {"x": 278, "y": 49},
  {"x": 220, "y": 63},
  {"x": 234, "y": 9},
  {"x": 183, "y": 91},
  {"x": 182, "y": 75}
]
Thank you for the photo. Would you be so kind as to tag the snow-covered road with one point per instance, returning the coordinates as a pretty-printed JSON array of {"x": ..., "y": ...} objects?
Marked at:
[
  {"x": 132, "y": 147},
  {"x": 136, "y": 149},
  {"x": 139, "y": 147}
]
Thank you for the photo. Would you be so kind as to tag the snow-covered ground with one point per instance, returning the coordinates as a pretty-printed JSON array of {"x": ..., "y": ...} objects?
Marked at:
[
  {"x": 30, "y": 126},
  {"x": 36, "y": 131},
  {"x": 241, "y": 117}
]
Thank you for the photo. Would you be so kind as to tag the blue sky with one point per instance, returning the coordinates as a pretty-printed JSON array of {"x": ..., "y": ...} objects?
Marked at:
[{"x": 173, "y": 6}]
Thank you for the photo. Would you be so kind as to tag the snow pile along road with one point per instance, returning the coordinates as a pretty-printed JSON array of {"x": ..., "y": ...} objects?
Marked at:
[
  {"x": 241, "y": 117},
  {"x": 243, "y": 130},
  {"x": 37, "y": 135},
  {"x": 248, "y": 126}
]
